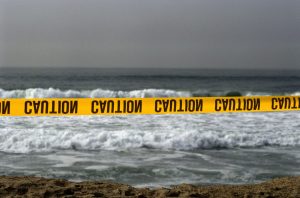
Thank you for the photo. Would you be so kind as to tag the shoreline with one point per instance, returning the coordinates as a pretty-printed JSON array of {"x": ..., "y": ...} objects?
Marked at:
[{"x": 29, "y": 186}]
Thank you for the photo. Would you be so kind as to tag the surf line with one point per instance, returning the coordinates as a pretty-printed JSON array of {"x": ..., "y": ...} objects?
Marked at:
[
  {"x": 51, "y": 107},
  {"x": 250, "y": 104},
  {"x": 178, "y": 105},
  {"x": 116, "y": 106}
]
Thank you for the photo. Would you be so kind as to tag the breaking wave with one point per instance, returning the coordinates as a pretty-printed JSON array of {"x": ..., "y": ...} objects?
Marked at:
[
  {"x": 103, "y": 93},
  {"x": 175, "y": 132}
]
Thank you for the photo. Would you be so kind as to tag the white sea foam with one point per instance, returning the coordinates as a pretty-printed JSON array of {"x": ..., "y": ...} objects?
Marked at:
[
  {"x": 296, "y": 94},
  {"x": 175, "y": 132},
  {"x": 104, "y": 93},
  {"x": 96, "y": 93}
]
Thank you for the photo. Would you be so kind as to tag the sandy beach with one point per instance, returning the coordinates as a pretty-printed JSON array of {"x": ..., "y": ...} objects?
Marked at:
[{"x": 25, "y": 186}]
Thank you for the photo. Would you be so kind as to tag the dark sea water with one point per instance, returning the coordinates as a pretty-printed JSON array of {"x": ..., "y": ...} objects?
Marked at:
[
  {"x": 151, "y": 150},
  {"x": 193, "y": 81}
]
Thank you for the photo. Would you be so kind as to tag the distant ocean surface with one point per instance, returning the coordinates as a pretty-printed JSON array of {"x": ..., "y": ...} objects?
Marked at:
[{"x": 151, "y": 150}]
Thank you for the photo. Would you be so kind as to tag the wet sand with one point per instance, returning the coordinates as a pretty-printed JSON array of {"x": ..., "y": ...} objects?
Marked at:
[{"x": 40, "y": 187}]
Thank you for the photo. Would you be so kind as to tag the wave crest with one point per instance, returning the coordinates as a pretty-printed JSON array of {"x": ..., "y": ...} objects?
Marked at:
[
  {"x": 96, "y": 93},
  {"x": 143, "y": 93},
  {"x": 170, "y": 132}
]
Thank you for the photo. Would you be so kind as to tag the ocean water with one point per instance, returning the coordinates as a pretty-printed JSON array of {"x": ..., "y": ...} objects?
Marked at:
[{"x": 151, "y": 150}]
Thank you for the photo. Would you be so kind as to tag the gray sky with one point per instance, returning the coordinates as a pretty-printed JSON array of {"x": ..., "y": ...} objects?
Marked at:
[{"x": 150, "y": 33}]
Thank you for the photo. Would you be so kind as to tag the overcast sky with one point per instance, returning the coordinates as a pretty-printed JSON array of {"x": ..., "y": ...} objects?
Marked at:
[{"x": 150, "y": 33}]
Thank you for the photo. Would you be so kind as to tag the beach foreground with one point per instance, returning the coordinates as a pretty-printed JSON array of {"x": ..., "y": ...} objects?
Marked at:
[{"x": 41, "y": 187}]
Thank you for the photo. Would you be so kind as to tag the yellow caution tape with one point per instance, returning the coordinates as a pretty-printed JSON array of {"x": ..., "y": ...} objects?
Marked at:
[{"x": 119, "y": 106}]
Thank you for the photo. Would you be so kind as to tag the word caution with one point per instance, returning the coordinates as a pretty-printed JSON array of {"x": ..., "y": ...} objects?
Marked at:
[{"x": 127, "y": 106}]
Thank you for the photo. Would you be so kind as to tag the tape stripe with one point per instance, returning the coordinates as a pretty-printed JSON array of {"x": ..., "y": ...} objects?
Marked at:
[{"x": 118, "y": 106}]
